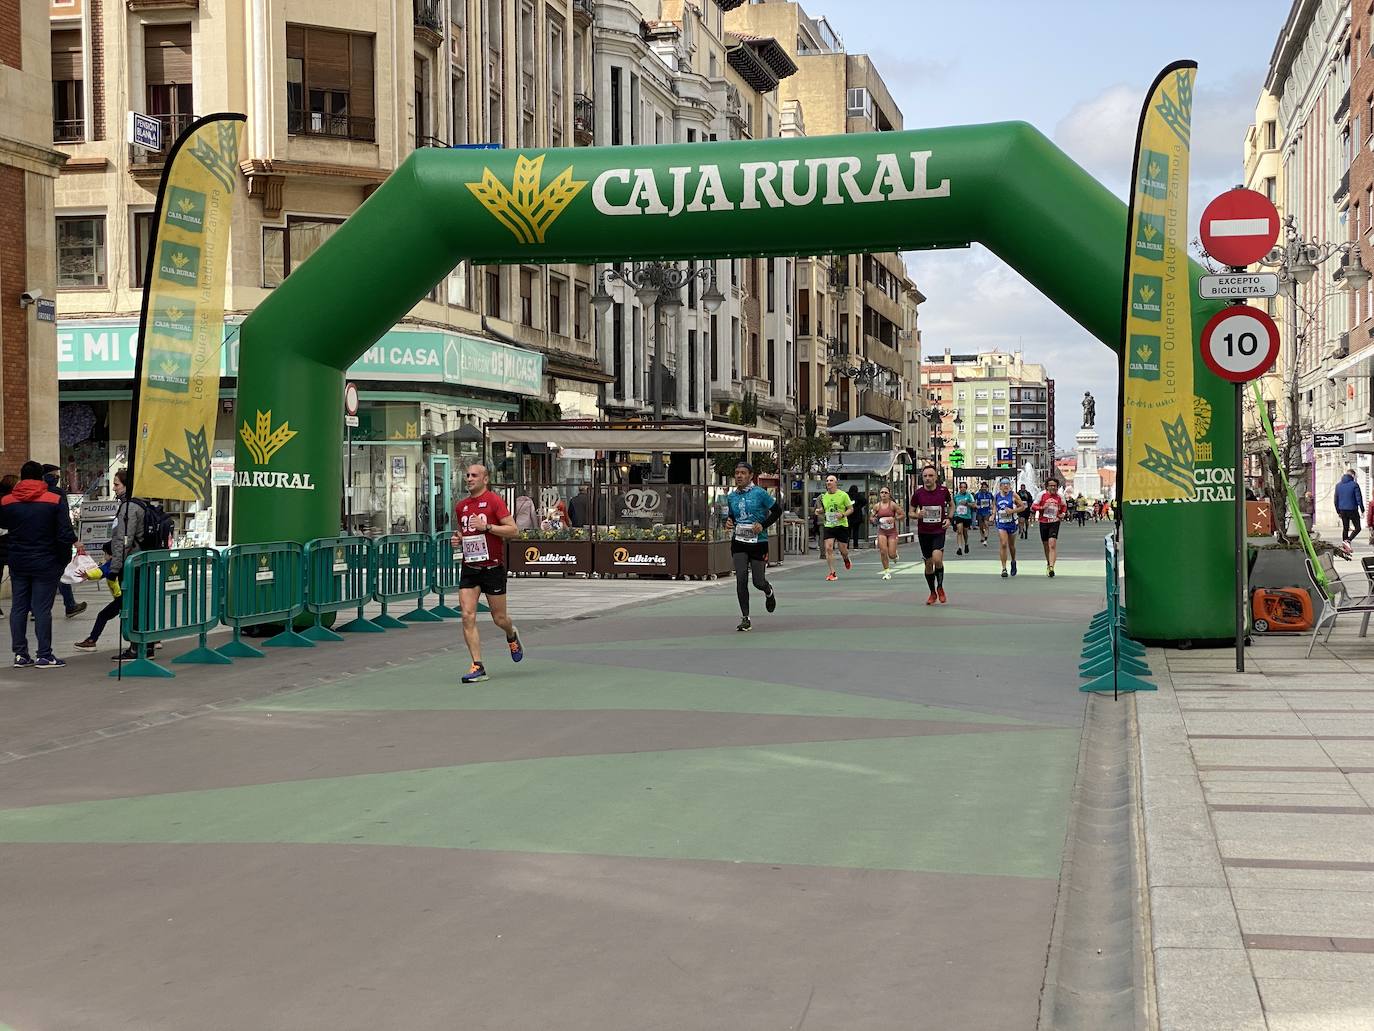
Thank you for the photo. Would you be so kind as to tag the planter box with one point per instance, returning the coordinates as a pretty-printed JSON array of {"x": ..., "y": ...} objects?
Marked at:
[
  {"x": 706, "y": 558},
  {"x": 635, "y": 558},
  {"x": 539, "y": 556}
]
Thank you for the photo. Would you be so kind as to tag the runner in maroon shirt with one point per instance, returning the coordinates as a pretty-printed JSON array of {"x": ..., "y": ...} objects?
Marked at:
[
  {"x": 932, "y": 504},
  {"x": 481, "y": 527}
]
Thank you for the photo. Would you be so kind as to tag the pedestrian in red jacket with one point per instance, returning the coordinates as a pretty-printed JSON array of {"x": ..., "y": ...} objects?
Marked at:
[{"x": 40, "y": 543}]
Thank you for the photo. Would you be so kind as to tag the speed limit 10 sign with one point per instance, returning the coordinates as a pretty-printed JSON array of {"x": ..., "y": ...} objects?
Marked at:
[{"x": 1240, "y": 343}]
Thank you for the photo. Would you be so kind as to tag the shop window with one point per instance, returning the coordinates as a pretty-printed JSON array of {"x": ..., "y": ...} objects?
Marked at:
[
  {"x": 81, "y": 252},
  {"x": 329, "y": 84}
]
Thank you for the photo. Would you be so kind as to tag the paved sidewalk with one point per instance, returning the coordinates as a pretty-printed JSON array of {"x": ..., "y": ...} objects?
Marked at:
[{"x": 1258, "y": 806}]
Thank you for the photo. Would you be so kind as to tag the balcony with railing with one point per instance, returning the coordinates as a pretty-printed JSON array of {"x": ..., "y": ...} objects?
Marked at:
[
  {"x": 429, "y": 22},
  {"x": 69, "y": 130},
  {"x": 1342, "y": 188},
  {"x": 430, "y": 141},
  {"x": 336, "y": 126},
  {"x": 583, "y": 9},
  {"x": 584, "y": 120}
]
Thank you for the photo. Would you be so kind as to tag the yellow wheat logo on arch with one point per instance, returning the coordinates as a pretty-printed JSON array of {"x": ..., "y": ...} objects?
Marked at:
[
  {"x": 527, "y": 211},
  {"x": 263, "y": 442}
]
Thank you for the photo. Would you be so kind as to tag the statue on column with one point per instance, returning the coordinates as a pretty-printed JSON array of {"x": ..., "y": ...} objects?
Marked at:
[{"x": 1089, "y": 410}]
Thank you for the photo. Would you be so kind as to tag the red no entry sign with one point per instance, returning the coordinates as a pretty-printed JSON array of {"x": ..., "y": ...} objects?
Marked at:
[
  {"x": 1240, "y": 343},
  {"x": 1239, "y": 227}
]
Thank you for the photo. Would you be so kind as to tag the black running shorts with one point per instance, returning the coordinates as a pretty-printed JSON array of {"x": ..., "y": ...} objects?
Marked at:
[
  {"x": 490, "y": 580},
  {"x": 931, "y": 543},
  {"x": 1049, "y": 531}
]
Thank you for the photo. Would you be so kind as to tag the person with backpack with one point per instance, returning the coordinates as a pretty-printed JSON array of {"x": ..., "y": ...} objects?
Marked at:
[
  {"x": 40, "y": 532},
  {"x": 138, "y": 526}
]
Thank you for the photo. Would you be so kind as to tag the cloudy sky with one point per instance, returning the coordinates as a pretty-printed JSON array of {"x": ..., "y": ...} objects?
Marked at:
[{"x": 1077, "y": 70}]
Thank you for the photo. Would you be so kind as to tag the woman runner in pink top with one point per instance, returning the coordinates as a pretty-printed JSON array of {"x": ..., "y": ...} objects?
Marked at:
[{"x": 886, "y": 514}]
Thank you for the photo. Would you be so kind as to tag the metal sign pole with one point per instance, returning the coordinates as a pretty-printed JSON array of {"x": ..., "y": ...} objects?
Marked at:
[{"x": 1241, "y": 556}]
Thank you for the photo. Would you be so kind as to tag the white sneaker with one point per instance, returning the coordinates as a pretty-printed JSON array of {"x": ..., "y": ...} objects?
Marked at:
[{"x": 887, "y": 575}]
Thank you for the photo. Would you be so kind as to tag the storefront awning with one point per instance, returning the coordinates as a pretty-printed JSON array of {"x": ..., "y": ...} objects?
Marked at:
[
  {"x": 1359, "y": 364},
  {"x": 660, "y": 439},
  {"x": 863, "y": 463}
]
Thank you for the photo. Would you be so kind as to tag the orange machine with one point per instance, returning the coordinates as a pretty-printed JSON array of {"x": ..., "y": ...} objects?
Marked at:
[{"x": 1281, "y": 610}]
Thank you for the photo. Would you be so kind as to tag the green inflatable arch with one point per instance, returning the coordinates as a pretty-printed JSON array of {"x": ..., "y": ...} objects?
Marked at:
[{"x": 1003, "y": 185}]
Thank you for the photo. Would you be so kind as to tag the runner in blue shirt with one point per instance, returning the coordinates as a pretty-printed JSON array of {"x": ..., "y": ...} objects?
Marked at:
[
  {"x": 1009, "y": 508},
  {"x": 983, "y": 499},
  {"x": 751, "y": 511}
]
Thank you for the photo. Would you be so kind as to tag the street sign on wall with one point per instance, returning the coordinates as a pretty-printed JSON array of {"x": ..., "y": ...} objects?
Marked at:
[
  {"x": 1328, "y": 440},
  {"x": 145, "y": 131},
  {"x": 1239, "y": 343},
  {"x": 1239, "y": 227}
]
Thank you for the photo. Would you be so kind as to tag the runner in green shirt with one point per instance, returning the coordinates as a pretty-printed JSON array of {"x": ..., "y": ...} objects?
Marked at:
[
  {"x": 964, "y": 504},
  {"x": 834, "y": 508}
]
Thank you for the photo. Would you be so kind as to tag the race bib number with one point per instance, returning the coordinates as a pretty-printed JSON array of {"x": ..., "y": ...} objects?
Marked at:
[
  {"x": 887, "y": 523},
  {"x": 932, "y": 514},
  {"x": 1051, "y": 511},
  {"x": 962, "y": 510},
  {"x": 746, "y": 534},
  {"x": 475, "y": 549},
  {"x": 832, "y": 518}
]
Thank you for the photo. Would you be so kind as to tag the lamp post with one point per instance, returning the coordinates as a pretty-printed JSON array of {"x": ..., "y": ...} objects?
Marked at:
[
  {"x": 658, "y": 285},
  {"x": 936, "y": 415},
  {"x": 1296, "y": 259}
]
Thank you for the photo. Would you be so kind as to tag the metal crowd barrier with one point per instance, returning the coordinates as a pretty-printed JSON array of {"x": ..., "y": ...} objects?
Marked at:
[
  {"x": 1111, "y": 660},
  {"x": 403, "y": 574},
  {"x": 169, "y": 595},
  {"x": 446, "y": 573},
  {"x": 340, "y": 574},
  {"x": 263, "y": 583}
]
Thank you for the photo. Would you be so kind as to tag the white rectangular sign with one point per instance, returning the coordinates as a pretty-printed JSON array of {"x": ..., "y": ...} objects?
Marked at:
[
  {"x": 145, "y": 131},
  {"x": 1238, "y": 284}
]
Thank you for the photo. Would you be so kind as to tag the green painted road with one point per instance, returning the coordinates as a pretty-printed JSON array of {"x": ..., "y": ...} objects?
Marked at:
[{"x": 853, "y": 816}]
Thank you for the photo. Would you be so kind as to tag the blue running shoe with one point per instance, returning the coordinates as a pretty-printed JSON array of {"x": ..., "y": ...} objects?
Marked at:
[
  {"x": 51, "y": 662},
  {"x": 517, "y": 650},
  {"x": 22, "y": 662},
  {"x": 476, "y": 674}
]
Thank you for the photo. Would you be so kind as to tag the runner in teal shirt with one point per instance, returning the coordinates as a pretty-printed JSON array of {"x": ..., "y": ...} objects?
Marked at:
[{"x": 964, "y": 504}]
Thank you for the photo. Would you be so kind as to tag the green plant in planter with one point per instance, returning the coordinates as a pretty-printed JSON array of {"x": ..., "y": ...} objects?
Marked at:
[{"x": 567, "y": 533}]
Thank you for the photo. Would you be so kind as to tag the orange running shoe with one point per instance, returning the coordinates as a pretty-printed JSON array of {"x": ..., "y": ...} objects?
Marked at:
[
  {"x": 943, "y": 599},
  {"x": 847, "y": 563},
  {"x": 932, "y": 599},
  {"x": 831, "y": 576}
]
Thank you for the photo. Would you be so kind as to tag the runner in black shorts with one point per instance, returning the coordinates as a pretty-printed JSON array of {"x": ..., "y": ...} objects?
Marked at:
[
  {"x": 483, "y": 524},
  {"x": 932, "y": 505},
  {"x": 1051, "y": 510}
]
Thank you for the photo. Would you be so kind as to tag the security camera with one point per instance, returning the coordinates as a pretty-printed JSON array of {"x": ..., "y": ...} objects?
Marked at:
[{"x": 29, "y": 297}]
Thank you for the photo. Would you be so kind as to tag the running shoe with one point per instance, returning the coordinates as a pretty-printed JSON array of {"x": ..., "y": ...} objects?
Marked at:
[
  {"x": 847, "y": 563},
  {"x": 887, "y": 574},
  {"x": 958, "y": 551},
  {"x": 517, "y": 651},
  {"x": 831, "y": 576},
  {"x": 50, "y": 662},
  {"x": 476, "y": 674},
  {"x": 87, "y": 645},
  {"x": 1013, "y": 567},
  {"x": 1050, "y": 571},
  {"x": 1004, "y": 573},
  {"x": 932, "y": 599},
  {"x": 744, "y": 625},
  {"x": 771, "y": 602},
  {"x": 941, "y": 592},
  {"x": 22, "y": 662}
]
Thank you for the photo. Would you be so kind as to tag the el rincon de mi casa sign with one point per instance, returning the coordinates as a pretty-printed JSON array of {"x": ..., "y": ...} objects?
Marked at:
[{"x": 1003, "y": 185}]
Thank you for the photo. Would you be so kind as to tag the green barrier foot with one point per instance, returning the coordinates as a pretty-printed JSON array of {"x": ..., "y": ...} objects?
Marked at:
[
  {"x": 239, "y": 650},
  {"x": 1097, "y": 669},
  {"x": 1129, "y": 647},
  {"x": 289, "y": 639},
  {"x": 320, "y": 633},
  {"x": 422, "y": 616},
  {"x": 1123, "y": 682},
  {"x": 444, "y": 612},
  {"x": 388, "y": 622},
  {"x": 361, "y": 626},
  {"x": 203, "y": 655},
  {"x": 1130, "y": 665},
  {"x": 140, "y": 668}
]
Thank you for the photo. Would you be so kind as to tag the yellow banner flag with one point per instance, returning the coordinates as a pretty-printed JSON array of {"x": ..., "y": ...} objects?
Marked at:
[
  {"x": 182, "y": 326},
  {"x": 1157, "y": 326}
]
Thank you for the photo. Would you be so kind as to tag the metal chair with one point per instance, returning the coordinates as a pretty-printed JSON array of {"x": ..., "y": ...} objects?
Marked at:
[{"x": 1338, "y": 598}]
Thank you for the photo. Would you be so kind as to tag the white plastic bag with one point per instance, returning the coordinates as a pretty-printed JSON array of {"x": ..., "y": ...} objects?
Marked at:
[{"x": 75, "y": 573}]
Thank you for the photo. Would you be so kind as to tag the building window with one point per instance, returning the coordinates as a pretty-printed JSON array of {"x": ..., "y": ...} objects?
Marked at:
[
  {"x": 754, "y": 359},
  {"x": 284, "y": 248},
  {"x": 527, "y": 297},
  {"x": 617, "y": 113},
  {"x": 167, "y": 74},
  {"x": 68, "y": 92},
  {"x": 691, "y": 370},
  {"x": 142, "y": 226},
  {"x": 494, "y": 291},
  {"x": 458, "y": 122},
  {"x": 422, "y": 132},
  {"x": 557, "y": 287},
  {"x": 581, "y": 312},
  {"x": 495, "y": 111},
  {"x": 525, "y": 137},
  {"x": 459, "y": 286},
  {"x": 772, "y": 364},
  {"x": 81, "y": 252},
  {"x": 329, "y": 84},
  {"x": 618, "y": 351},
  {"x": 772, "y": 285},
  {"x": 556, "y": 77}
]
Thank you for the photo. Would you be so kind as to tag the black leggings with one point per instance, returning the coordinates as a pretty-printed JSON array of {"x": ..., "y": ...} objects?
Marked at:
[
  {"x": 744, "y": 562},
  {"x": 1350, "y": 525},
  {"x": 109, "y": 612}
]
